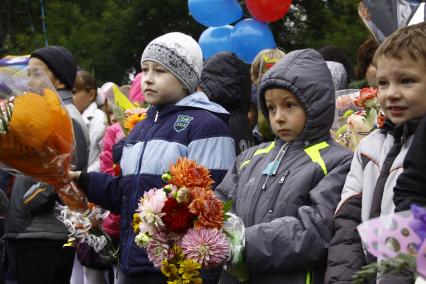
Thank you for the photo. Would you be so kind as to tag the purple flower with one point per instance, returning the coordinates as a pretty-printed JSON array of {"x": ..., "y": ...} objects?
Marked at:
[
  {"x": 206, "y": 246},
  {"x": 418, "y": 224}
]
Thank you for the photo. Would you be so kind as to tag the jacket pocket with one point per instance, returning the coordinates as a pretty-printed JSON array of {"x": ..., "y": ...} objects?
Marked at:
[{"x": 278, "y": 188}]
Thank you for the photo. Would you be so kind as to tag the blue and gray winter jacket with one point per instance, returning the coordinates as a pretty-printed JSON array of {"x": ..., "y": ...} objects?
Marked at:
[{"x": 194, "y": 128}]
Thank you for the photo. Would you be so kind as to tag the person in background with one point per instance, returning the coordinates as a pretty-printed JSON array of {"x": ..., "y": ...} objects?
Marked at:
[
  {"x": 365, "y": 71},
  {"x": 225, "y": 80},
  {"x": 35, "y": 237},
  {"x": 339, "y": 65},
  {"x": 263, "y": 61},
  {"x": 87, "y": 101}
]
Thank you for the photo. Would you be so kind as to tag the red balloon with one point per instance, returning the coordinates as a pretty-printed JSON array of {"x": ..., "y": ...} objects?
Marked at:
[{"x": 268, "y": 10}]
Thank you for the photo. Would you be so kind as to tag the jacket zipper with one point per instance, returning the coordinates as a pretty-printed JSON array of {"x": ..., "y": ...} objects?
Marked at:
[
  {"x": 277, "y": 191},
  {"x": 136, "y": 182},
  {"x": 256, "y": 199},
  {"x": 263, "y": 188}
]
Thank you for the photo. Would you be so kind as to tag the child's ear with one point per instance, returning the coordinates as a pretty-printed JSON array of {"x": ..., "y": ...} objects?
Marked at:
[{"x": 92, "y": 95}]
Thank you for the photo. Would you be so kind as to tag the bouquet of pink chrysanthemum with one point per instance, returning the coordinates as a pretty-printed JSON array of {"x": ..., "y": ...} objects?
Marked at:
[{"x": 183, "y": 226}]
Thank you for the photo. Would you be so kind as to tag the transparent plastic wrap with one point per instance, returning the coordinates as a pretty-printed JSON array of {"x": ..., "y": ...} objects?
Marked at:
[
  {"x": 86, "y": 227},
  {"x": 235, "y": 231},
  {"x": 36, "y": 132},
  {"x": 357, "y": 113}
]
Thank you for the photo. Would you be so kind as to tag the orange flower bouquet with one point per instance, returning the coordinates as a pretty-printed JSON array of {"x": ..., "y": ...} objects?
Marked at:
[
  {"x": 36, "y": 138},
  {"x": 185, "y": 228}
]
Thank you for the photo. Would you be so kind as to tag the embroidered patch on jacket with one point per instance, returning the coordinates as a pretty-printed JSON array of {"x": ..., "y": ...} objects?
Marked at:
[{"x": 182, "y": 122}]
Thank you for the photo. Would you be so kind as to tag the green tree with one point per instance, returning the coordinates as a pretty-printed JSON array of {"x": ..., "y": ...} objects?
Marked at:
[{"x": 108, "y": 36}]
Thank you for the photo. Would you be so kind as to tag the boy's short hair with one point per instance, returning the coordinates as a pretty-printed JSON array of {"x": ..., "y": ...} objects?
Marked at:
[
  {"x": 264, "y": 61},
  {"x": 408, "y": 41}
]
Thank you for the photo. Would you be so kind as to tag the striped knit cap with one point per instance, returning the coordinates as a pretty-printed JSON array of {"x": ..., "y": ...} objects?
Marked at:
[{"x": 180, "y": 54}]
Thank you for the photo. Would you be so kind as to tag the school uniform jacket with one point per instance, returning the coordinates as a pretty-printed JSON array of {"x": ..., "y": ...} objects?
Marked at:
[{"x": 194, "y": 128}]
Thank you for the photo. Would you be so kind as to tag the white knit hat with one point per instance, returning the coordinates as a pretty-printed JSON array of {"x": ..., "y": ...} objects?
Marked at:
[{"x": 180, "y": 54}]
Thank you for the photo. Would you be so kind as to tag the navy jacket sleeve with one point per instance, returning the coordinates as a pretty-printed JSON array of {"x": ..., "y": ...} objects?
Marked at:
[
  {"x": 411, "y": 184},
  {"x": 102, "y": 189}
]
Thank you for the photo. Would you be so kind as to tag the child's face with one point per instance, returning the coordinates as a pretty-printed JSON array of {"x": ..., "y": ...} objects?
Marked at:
[
  {"x": 402, "y": 88},
  {"x": 159, "y": 85},
  {"x": 83, "y": 98},
  {"x": 286, "y": 114},
  {"x": 38, "y": 72}
]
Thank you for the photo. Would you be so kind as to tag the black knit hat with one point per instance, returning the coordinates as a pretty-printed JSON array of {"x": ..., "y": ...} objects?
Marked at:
[{"x": 60, "y": 61}]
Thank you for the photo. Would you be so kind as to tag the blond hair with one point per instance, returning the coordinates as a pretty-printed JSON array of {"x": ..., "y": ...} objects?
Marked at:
[
  {"x": 409, "y": 41},
  {"x": 263, "y": 62}
]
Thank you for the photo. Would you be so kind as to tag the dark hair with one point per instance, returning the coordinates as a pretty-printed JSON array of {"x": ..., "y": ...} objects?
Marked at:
[
  {"x": 409, "y": 41},
  {"x": 85, "y": 81},
  {"x": 364, "y": 57},
  {"x": 333, "y": 53}
]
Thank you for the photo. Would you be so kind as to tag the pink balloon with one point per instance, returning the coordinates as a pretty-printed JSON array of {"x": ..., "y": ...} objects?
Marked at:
[{"x": 268, "y": 10}]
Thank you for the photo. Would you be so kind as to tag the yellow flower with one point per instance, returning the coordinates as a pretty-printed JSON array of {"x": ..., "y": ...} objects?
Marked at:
[
  {"x": 189, "y": 269},
  {"x": 177, "y": 253},
  {"x": 196, "y": 281},
  {"x": 136, "y": 222},
  {"x": 132, "y": 120},
  {"x": 169, "y": 270}
]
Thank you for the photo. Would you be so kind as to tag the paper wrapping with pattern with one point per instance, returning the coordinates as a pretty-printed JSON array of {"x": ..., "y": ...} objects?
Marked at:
[
  {"x": 40, "y": 137},
  {"x": 387, "y": 236}
]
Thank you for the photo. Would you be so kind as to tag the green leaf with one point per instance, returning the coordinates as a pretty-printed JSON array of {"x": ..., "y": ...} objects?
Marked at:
[{"x": 227, "y": 206}]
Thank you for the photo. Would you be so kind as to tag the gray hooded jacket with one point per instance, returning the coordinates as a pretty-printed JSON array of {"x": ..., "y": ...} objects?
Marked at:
[{"x": 286, "y": 194}]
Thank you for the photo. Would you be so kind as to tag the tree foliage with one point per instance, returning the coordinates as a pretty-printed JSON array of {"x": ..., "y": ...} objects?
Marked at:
[{"x": 108, "y": 36}]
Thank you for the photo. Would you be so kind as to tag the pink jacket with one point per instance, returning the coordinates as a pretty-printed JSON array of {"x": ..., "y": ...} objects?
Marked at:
[
  {"x": 113, "y": 134},
  {"x": 136, "y": 94}
]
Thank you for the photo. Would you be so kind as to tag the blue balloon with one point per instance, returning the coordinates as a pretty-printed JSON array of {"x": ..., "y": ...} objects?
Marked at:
[
  {"x": 249, "y": 37},
  {"x": 214, "y": 40},
  {"x": 215, "y": 13}
]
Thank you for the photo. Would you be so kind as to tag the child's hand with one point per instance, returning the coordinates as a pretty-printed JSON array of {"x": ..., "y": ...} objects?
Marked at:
[{"x": 72, "y": 176}]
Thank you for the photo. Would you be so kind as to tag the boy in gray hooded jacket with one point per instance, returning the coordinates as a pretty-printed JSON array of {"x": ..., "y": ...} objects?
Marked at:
[{"x": 286, "y": 191}]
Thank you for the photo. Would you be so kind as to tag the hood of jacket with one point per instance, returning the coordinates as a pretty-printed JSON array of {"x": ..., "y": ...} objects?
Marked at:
[
  {"x": 305, "y": 74},
  {"x": 225, "y": 80},
  {"x": 197, "y": 100}
]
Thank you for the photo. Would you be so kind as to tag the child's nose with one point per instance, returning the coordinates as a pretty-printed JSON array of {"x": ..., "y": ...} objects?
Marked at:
[
  {"x": 393, "y": 92},
  {"x": 280, "y": 116}
]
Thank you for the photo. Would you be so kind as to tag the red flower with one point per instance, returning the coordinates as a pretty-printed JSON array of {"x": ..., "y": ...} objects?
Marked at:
[
  {"x": 381, "y": 119},
  {"x": 177, "y": 217},
  {"x": 365, "y": 94}
]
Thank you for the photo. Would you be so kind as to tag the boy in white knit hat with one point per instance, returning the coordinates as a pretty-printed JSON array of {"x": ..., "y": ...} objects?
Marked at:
[{"x": 179, "y": 123}]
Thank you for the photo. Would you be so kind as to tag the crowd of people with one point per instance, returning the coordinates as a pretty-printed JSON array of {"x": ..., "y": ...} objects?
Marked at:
[{"x": 264, "y": 133}]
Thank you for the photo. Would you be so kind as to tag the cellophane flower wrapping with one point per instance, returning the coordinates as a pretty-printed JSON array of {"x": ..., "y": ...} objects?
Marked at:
[
  {"x": 356, "y": 115},
  {"x": 86, "y": 227},
  {"x": 36, "y": 133},
  {"x": 184, "y": 227},
  {"x": 402, "y": 233}
]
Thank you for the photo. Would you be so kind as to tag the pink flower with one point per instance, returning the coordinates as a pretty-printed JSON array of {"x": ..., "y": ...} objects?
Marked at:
[
  {"x": 158, "y": 249},
  {"x": 150, "y": 207},
  {"x": 206, "y": 246}
]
